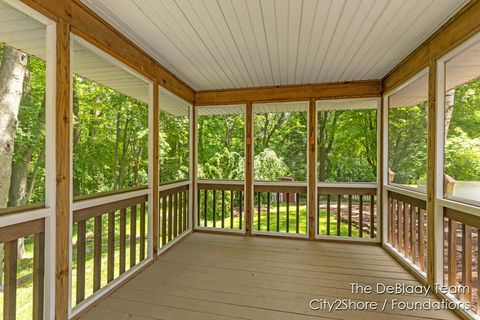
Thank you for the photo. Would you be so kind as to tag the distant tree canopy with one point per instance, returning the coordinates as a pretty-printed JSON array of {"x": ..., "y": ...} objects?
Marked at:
[
  {"x": 173, "y": 147},
  {"x": 110, "y": 139}
]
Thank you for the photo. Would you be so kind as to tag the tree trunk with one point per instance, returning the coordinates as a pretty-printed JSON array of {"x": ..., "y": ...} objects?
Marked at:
[
  {"x": 12, "y": 73},
  {"x": 449, "y": 104}
]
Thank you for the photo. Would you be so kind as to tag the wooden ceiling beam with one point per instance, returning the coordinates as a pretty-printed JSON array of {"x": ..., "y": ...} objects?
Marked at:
[
  {"x": 454, "y": 32},
  {"x": 321, "y": 91},
  {"x": 88, "y": 25}
]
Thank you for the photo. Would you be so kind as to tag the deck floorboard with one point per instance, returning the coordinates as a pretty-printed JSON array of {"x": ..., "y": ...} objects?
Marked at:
[{"x": 212, "y": 277}]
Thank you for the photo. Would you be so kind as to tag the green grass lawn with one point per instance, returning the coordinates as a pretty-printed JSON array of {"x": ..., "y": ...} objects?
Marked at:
[{"x": 302, "y": 223}]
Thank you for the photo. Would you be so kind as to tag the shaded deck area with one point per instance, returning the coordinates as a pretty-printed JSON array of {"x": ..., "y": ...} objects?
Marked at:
[{"x": 208, "y": 276}]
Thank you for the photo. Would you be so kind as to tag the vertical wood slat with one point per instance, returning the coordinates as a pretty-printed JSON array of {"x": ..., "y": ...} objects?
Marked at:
[
  {"x": 394, "y": 222},
  {"x": 339, "y": 204},
  {"x": 390, "y": 220},
  {"x": 143, "y": 235},
  {"x": 349, "y": 215},
  {"x": 318, "y": 213},
  {"x": 467, "y": 261},
  {"x": 223, "y": 208},
  {"x": 421, "y": 239},
  {"x": 297, "y": 213},
  {"x": 232, "y": 205},
  {"x": 164, "y": 220},
  {"x": 452, "y": 252},
  {"x": 401, "y": 234},
  {"x": 170, "y": 217},
  {"x": 268, "y": 211},
  {"x": 97, "y": 252},
  {"x": 10, "y": 282},
  {"x": 404, "y": 228},
  {"x": 111, "y": 246},
  {"x": 214, "y": 208},
  {"x": 328, "y": 214},
  {"x": 199, "y": 198},
  {"x": 360, "y": 217},
  {"x": 185, "y": 211},
  {"x": 240, "y": 220},
  {"x": 175, "y": 215},
  {"x": 287, "y": 222},
  {"x": 278, "y": 212},
  {"x": 259, "y": 208},
  {"x": 372, "y": 217},
  {"x": 413, "y": 235},
  {"x": 133, "y": 235},
  {"x": 205, "y": 207},
  {"x": 123, "y": 239},
  {"x": 38, "y": 275},
  {"x": 180, "y": 213},
  {"x": 407, "y": 230},
  {"x": 81, "y": 248}
]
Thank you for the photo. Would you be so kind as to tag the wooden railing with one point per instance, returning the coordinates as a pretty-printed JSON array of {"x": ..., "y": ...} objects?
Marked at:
[
  {"x": 220, "y": 205},
  {"x": 461, "y": 256},
  {"x": 174, "y": 211},
  {"x": 280, "y": 207},
  {"x": 346, "y": 210},
  {"x": 32, "y": 232},
  {"x": 407, "y": 227},
  {"x": 124, "y": 223}
]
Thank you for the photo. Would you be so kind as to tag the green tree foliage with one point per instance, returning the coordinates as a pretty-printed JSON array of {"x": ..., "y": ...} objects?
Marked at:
[
  {"x": 280, "y": 145},
  {"x": 221, "y": 147},
  {"x": 407, "y": 143},
  {"x": 173, "y": 147},
  {"x": 110, "y": 139},
  {"x": 347, "y": 145},
  {"x": 462, "y": 146}
]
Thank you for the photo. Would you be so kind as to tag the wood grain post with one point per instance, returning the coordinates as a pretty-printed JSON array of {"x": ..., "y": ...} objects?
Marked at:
[
  {"x": 432, "y": 230},
  {"x": 193, "y": 172},
  {"x": 155, "y": 171},
  {"x": 63, "y": 174},
  {"x": 312, "y": 172},
  {"x": 248, "y": 168}
]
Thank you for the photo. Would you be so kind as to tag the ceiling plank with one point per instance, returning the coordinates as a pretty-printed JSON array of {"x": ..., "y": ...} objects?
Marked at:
[
  {"x": 90, "y": 26},
  {"x": 335, "y": 90},
  {"x": 455, "y": 31}
]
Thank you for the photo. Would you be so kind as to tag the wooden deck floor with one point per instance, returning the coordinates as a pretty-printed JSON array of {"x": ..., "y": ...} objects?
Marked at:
[{"x": 214, "y": 277}]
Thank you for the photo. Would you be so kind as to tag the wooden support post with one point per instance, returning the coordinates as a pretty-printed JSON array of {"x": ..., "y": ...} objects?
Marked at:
[
  {"x": 433, "y": 234},
  {"x": 63, "y": 174},
  {"x": 312, "y": 172},
  {"x": 248, "y": 168},
  {"x": 195, "y": 195},
  {"x": 155, "y": 170}
]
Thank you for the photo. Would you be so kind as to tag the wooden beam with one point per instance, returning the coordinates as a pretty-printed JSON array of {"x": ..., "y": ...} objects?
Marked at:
[
  {"x": 248, "y": 168},
  {"x": 332, "y": 90},
  {"x": 312, "y": 165},
  {"x": 155, "y": 173},
  {"x": 432, "y": 228},
  {"x": 63, "y": 173},
  {"x": 88, "y": 25},
  {"x": 455, "y": 31}
]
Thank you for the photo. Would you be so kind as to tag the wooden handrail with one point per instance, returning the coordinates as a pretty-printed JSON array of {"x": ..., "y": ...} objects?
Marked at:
[
  {"x": 348, "y": 190},
  {"x": 463, "y": 217},
  {"x": 21, "y": 230},
  {"x": 280, "y": 188},
  {"x": 174, "y": 190},
  {"x": 86, "y": 213},
  {"x": 419, "y": 203},
  {"x": 107, "y": 193}
]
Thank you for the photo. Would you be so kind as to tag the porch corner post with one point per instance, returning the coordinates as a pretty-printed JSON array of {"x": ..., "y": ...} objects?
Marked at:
[
  {"x": 432, "y": 221},
  {"x": 63, "y": 172},
  {"x": 155, "y": 171},
  {"x": 248, "y": 168},
  {"x": 312, "y": 172},
  {"x": 193, "y": 165}
]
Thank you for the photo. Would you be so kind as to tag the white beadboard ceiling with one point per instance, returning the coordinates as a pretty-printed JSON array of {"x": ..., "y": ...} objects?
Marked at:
[{"x": 217, "y": 44}]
